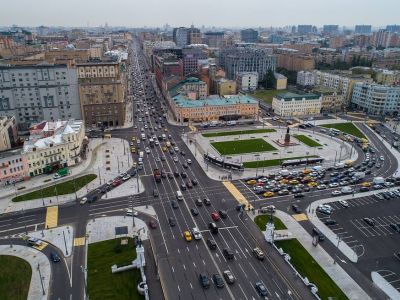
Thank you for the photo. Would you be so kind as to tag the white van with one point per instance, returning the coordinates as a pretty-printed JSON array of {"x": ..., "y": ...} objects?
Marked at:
[
  {"x": 143, "y": 136},
  {"x": 179, "y": 195}
]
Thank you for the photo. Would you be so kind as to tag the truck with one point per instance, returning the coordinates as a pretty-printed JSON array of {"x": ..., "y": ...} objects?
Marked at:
[
  {"x": 157, "y": 175},
  {"x": 61, "y": 173},
  {"x": 231, "y": 123},
  {"x": 378, "y": 180},
  {"x": 141, "y": 154},
  {"x": 359, "y": 175}
]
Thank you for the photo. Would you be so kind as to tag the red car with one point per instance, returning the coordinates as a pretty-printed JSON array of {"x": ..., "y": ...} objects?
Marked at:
[
  {"x": 116, "y": 182},
  {"x": 215, "y": 216},
  {"x": 153, "y": 224}
]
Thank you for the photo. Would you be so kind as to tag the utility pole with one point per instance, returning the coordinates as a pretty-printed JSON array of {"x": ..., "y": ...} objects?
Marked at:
[
  {"x": 84, "y": 271},
  {"x": 41, "y": 279},
  {"x": 339, "y": 239},
  {"x": 65, "y": 244}
]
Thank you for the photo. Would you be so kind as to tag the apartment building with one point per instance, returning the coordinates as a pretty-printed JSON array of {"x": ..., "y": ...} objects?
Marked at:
[
  {"x": 54, "y": 145},
  {"x": 387, "y": 77},
  {"x": 191, "y": 57},
  {"x": 13, "y": 167},
  {"x": 246, "y": 81},
  {"x": 33, "y": 93},
  {"x": 249, "y": 35},
  {"x": 214, "y": 39},
  {"x": 226, "y": 87},
  {"x": 292, "y": 104},
  {"x": 331, "y": 101},
  {"x": 8, "y": 132},
  {"x": 305, "y": 78},
  {"x": 293, "y": 60},
  {"x": 376, "y": 99},
  {"x": 102, "y": 92}
]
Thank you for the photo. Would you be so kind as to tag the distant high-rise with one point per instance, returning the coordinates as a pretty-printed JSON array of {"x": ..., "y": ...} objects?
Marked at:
[
  {"x": 393, "y": 28},
  {"x": 194, "y": 36},
  {"x": 214, "y": 39},
  {"x": 363, "y": 29},
  {"x": 304, "y": 29},
  {"x": 330, "y": 29},
  {"x": 249, "y": 35},
  {"x": 180, "y": 36}
]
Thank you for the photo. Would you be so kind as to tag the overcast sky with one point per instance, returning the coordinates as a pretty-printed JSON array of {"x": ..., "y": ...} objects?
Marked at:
[{"x": 230, "y": 13}]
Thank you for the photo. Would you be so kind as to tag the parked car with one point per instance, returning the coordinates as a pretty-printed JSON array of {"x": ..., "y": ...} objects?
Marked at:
[
  {"x": 204, "y": 281},
  {"x": 369, "y": 221},
  {"x": 218, "y": 281},
  {"x": 229, "y": 278}
]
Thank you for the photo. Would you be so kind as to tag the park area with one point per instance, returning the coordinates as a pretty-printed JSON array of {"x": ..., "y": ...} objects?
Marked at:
[
  {"x": 348, "y": 128},
  {"x": 102, "y": 284},
  {"x": 64, "y": 188},
  {"x": 267, "y": 95},
  {"x": 262, "y": 220},
  {"x": 15, "y": 278},
  {"x": 238, "y": 132},
  {"x": 242, "y": 146},
  {"x": 307, "y": 141}
]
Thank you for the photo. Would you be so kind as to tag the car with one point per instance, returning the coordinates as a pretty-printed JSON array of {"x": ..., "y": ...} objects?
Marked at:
[
  {"x": 296, "y": 208},
  {"x": 185, "y": 165},
  {"x": 171, "y": 222},
  {"x": 174, "y": 204},
  {"x": 207, "y": 201},
  {"x": 215, "y": 216},
  {"x": 223, "y": 213},
  {"x": 330, "y": 222},
  {"x": 321, "y": 187},
  {"x": 228, "y": 253},
  {"x": 261, "y": 289},
  {"x": 189, "y": 184},
  {"x": 32, "y": 241},
  {"x": 336, "y": 193},
  {"x": 298, "y": 195},
  {"x": 382, "y": 158},
  {"x": 155, "y": 193},
  {"x": 258, "y": 253},
  {"x": 395, "y": 227},
  {"x": 176, "y": 174},
  {"x": 194, "y": 182},
  {"x": 196, "y": 233},
  {"x": 55, "y": 257},
  {"x": 183, "y": 186},
  {"x": 169, "y": 175},
  {"x": 212, "y": 245},
  {"x": 204, "y": 281},
  {"x": 333, "y": 184},
  {"x": 130, "y": 212},
  {"x": 183, "y": 153},
  {"x": 153, "y": 224},
  {"x": 229, "y": 278},
  {"x": 175, "y": 159},
  {"x": 158, "y": 159},
  {"x": 194, "y": 211},
  {"x": 319, "y": 234},
  {"x": 189, "y": 161},
  {"x": 344, "y": 203},
  {"x": 369, "y": 221},
  {"x": 187, "y": 236},
  {"x": 183, "y": 175},
  {"x": 218, "y": 281},
  {"x": 83, "y": 200}
]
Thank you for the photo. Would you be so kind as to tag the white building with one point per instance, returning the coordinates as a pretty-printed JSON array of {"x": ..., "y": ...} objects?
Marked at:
[
  {"x": 40, "y": 92},
  {"x": 247, "y": 81},
  {"x": 291, "y": 104},
  {"x": 305, "y": 78},
  {"x": 54, "y": 145}
]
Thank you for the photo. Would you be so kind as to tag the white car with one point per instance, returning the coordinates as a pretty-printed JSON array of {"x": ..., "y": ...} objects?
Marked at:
[
  {"x": 344, "y": 203},
  {"x": 333, "y": 185},
  {"x": 321, "y": 187},
  {"x": 196, "y": 233},
  {"x": 126, "y": 177},
  {"x": 189, "y": 161},
  {"x": 83, "y": 201},
  {"x": 336, "y": 193},
  {"x": 147, "y": 150},
  {"x": 381, "y": 158},
  {"x": 130, "y": 212},
  {"x": 175, "y": 159}
]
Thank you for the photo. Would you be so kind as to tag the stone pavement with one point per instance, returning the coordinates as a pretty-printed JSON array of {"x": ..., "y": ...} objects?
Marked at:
[
  {"x": 335, "y": 271},
  {"x": 103, "y": 228},
  {"x": 34, "y": 258},
  {"x": 55, "y": 237},
  {"x": 129, "y": 188}
]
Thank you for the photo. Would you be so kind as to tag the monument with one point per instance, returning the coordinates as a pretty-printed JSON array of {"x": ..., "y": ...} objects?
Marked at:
[
  {"x": 287, "y": 137},
  {"x": 286, "y": 141}
]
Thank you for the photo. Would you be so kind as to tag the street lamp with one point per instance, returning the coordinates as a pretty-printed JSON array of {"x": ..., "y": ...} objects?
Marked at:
[{"x": 41, "y": 279}]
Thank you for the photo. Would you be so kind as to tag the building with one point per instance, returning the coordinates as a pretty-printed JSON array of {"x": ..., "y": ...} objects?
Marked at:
[
  {"x": 194, "y": 36},
  {"x": 275, "y": 39},
  {"x": 331, "y": 101},
  {"x": 226, "y": 87},
  {"x": 247, "y": 58},
  {"x": 54, "y": 145},
  {"x": 214, "y": 39},
  {"x": 291, "y": 104},
  {"x": 180, "y": 36},
  {"x": 330, "y": 29},
  {"x": 305, "y": 78},
  {"x": 387, "y": 77},
  {"x": 8, "y": 133},
  {"x": 304, "y": 29},
  {"x": 102, "y": 91},
  {"x": 393, "y": 28},
  {"x": 376, "y": 99},
  {"x": 249, "y": 35},
  {"x": 165, "y": 65},
  {"x": 13, "y": 167},
  {"x": 33, "y": 93},
  {"x": 280, "y": 81},
  {"x": 336, "y": 41},
  {"x": 293, "y": 60},
  {"x": 191, "y": 57},
  {"x": 246, "y": 81},
  {"x": 192, "y": 87},
  {"x": 363, "y": 29}
]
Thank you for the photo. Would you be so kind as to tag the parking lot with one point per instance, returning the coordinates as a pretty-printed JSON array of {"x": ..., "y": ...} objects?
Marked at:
[{"x": 374, "y": 243}]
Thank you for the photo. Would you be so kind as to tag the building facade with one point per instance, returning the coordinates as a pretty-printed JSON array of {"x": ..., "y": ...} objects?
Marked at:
[
  {"x": 291, "y": 104},
  {"x": 387, "y": 77},
  {"x": 280, "y": 81},
  {"x": 214, "y": 39},
  {"x": 331, "y": 101},
  {"x": 293, "y": 60},
  {"x": 13, "y": 167},
  {"x": 249, "y": 35},
  {"x": 226, "y": 87},
  {"x": 8, "y": 133},
  {"x": 191, "y": 57},
  {"x": 363, "y": 29},
  {"x": 376, "y": 99},
  {"x": 304, "y": 29},
  {"x": 33, "y": 93},
  {"x": 102, "y": 91},
  {"x": 305, "y": 78},
  {"x": 246, "y": 81}
]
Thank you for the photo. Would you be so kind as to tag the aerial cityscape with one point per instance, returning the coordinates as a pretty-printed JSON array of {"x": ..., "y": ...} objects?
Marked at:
[{"x": 182, "y": 151}]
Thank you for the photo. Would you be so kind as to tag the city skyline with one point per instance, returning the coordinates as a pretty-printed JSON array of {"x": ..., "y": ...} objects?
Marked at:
[{"x": 174, "y": 12}]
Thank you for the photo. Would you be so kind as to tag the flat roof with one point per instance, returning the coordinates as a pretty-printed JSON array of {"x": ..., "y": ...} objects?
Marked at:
[
  {"x": 289, "y": 96},
  {"x": 182, "y": 101}
]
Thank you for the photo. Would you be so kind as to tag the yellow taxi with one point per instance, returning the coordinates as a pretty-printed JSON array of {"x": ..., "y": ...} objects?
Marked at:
[
  {"x": 164, "y": 149},
  {"x": 268, "y": 194},
  {"x": 312, "y": 184},
  {"x": 251, "y": 182},
  {"x": 187, "y": 236},
  {"x": 307, "y": 171},
  {"x": 294, "y": 182},
  {"x": 133, "y": 150},
  {"x": 283, "y": 181},
  {"x": 366, "y": 184},
  {"x": 133, "y": 139}
]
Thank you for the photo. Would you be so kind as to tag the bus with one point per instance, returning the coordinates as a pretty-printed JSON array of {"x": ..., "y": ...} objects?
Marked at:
[
  {"x": 223, "y": 163},
  {"x": 302, "y": 161}
]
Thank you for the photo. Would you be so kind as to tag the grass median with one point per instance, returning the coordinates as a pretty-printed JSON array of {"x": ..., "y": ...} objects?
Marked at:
[
  {"x": 237, "y": 132},
  {"x": 306, "y": 140},
  {"x": 262, "y": 220},
  {"x": 63, "y": 188},
  {"x": 271, "y": 162},
  {"x": 102, "y": 284},
  {"x": 348, "y": 128},
  {"x": 15, "y": 278},
  {"x": 308, "y": 267},
  {"x": 243, "y": 146}
]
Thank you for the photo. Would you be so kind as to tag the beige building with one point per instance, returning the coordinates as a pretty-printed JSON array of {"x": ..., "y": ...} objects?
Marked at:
[
  {"x": 280, "y": 81},
  {"x": 226, "y": 87},
  {"x": 387, "y": 77},
  {"x": 291, "y": 104},
  {"x": 293, "y": 60},
  {"x": 102, "y": 92},
  {"x": 54, "y": 145},
  {"x": 331, "y": 100},
  {"x": 8, "y": 132}
]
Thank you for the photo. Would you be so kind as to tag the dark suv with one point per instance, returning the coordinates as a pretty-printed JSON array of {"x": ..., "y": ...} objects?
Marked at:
[
  {"x": 204, "y": 281},
  {"x": 228, "y": 253}
]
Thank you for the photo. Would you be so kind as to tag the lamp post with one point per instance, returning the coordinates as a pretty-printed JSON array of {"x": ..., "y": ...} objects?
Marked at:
[
  {"x": 84, "y": 271},
  {"x": 65, "y": 243},
  {"x": 41, "y": 279}
]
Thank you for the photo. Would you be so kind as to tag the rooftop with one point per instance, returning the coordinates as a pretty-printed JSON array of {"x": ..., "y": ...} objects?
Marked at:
[
  {"x": 290, "y": 96},
  {"x": 215, "y": 100}
]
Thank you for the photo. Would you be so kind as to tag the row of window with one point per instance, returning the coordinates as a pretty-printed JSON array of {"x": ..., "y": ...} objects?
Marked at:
[{"x": 13, "y": 170}]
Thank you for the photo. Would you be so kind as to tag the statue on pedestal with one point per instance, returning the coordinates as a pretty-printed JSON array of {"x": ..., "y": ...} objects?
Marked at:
[{"x": 287, "y": 136}]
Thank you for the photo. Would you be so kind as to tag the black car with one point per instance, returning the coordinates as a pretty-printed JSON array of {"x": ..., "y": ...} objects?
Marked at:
[
  {"x": 170, "y": 176},
  {"x": 211, "y": 244},
  {"x": 204, "y": 281},
  {"x": 183, "y": 153},
  {"x": 155, "y": 193},
  {"x": 55, "y": 257},
  {"x": 194, "y": 211},
  {"x": 296, "y": 208},
  {"x": 369, "y": 221},
  {"x": 330, "y": 222},
  {"x": 199, "y": 202},
  {"x": 218, "y": 281},
  {"x": 194, "y": 181},
  {"x": 183, "y": 175},
  {"x": 228, "y": 253},
  {"x": 171, "y": 221},
  {"x": 174, "y": 204},
  {"x": 298, "y": 195},
  {"x": 207, "y": 201},
  {"x": 176, "y": 173},
  {"x": 395, "y": 227},
  {"x": 183, "y": 186},
  {"x": 223, "y": 214},
  {"x": 261, "y": 289}
]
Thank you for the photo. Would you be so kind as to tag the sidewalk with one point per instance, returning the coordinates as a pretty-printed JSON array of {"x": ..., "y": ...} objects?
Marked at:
[
  {"x": 335, "y": 271},
  {"x": 34, "y": 258},
  {"x": 55, "y": 237}
]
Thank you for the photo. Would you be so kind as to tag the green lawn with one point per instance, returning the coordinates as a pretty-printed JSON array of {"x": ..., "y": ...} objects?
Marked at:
[
  {"x": 309, "y": 268},
  {"x": 63, "y": 188},
  {"x": 261, "y": 222},
  {"x": 242, "y": 146},
  {"x": 237, "y": 132},
  {"x": 267, "y": 95},
  {"x": 102, "y": 284},
  {"x": 271, "y": 162},
  {"x": 306, "y": 140},
  {"x": 349, "y": 128},
  {"x": 15, "y": 278}
]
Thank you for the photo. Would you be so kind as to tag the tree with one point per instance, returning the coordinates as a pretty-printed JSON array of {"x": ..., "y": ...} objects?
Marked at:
[{"x": 269, "y": 81}]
